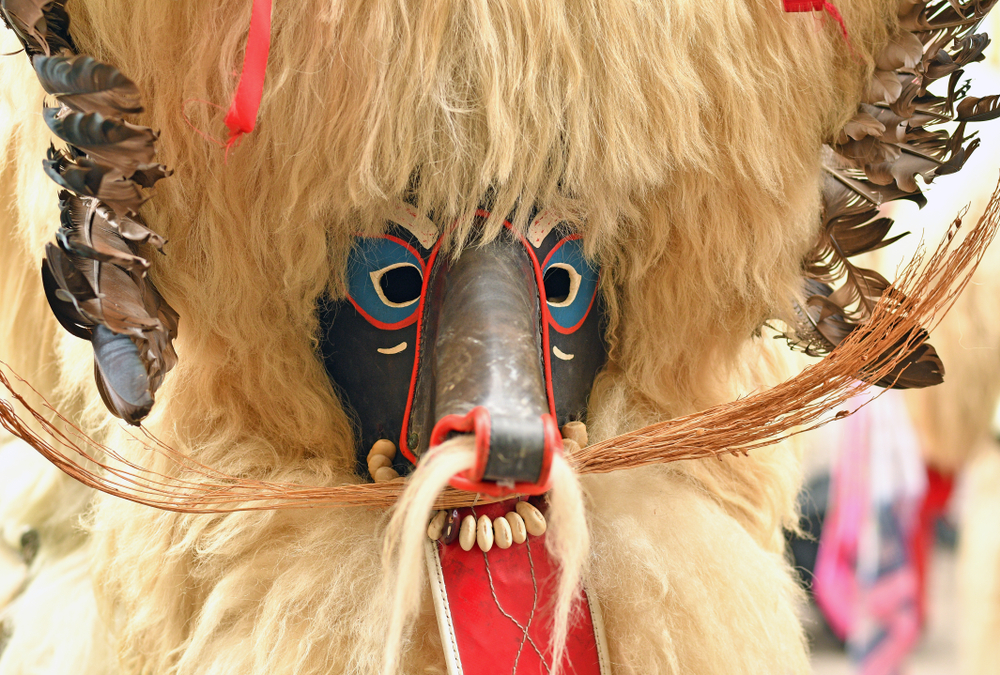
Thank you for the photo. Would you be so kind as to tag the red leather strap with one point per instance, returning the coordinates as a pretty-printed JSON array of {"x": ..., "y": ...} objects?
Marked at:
[
  {"x": 501, "y": 608},
  {"x": 803, "y": 5},
  {"x": 242, "y": 116},
  {"x": 818, "y": 6}
]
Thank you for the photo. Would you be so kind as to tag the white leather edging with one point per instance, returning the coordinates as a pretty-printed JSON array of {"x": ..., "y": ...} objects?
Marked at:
[
  {"x": 600, "y": 636},
  {"x": 442, "y": 610}
]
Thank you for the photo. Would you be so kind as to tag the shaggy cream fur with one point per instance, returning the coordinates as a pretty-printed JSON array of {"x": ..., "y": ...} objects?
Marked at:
[
  {"x": 979, "y": 565},
  {"x": 681, "y": 137}
]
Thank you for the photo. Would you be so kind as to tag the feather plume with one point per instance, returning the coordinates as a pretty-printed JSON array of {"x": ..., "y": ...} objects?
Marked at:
[
  {"x": 974, "y": 109},
  {"x": 126, "y": 147},
  {"x": 89, "y": 230},
  {"x": 87, "y": 85},
  {"x": 87, "y": 178},
  {"x": 96, "y": 285},
  {"x": 42, "y": 26},
  {"x": 95, "y": 276},
  {"x": 877, "y": 158}
]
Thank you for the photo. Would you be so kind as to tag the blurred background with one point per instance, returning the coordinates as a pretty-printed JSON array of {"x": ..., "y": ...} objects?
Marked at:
[{"x": 900, "y": 542}]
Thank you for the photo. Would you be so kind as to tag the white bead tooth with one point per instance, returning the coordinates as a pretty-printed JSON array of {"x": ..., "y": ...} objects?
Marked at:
[
  {"x": 436, "y": 525},
  {"x": 376, "y": 462},
  {"x": 576, "y": 431},
  {"x": 385, "y": 474},
  {"x": 534, "y": 521},
  {"x": 383, "y": 447},
  {"x": 517, "y": 529},
  {"x": 467, "y": 533},
  {"x": 502, "y": 534},
  {"x": 484, "y": 534}
]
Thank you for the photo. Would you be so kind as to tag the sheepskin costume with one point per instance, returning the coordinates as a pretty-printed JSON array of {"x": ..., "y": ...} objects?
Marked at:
[{"x": 683, "y": 137}]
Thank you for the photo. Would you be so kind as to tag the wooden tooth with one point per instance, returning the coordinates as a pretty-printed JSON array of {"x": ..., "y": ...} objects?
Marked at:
[
  {"x": 576, "y": 431},
  {"x": 376, "y": 462},
  {"x": 534, "y": 521},
  {"x": 517, "y": 530},
  {"x": 502, "y": 533},
  {"x": 467, "y": 533},
  {"x": 484, "y": 534},
  {"x": 436, "y": 525},
  {"x": 382, "y": 447},
  {"x": 385, "y": 474}
]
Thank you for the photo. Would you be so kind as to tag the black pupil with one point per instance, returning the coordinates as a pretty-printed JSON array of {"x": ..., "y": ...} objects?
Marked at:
[
  {"x": 401, "y": 284},
  {"x": 557, "y": 284}
]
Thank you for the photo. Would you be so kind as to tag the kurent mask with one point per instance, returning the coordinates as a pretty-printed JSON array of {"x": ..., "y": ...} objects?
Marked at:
[{"x": 503, "y": 341}]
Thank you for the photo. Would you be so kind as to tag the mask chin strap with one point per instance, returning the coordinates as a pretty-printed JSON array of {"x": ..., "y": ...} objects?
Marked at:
[{"x": 513, "y": 455}]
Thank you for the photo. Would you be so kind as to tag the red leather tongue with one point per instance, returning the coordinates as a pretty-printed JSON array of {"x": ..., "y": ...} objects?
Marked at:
[{"x": 498, "y": 605}]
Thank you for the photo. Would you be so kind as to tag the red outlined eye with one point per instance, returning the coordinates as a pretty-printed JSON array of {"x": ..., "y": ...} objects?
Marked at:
[
  {"x": 384, "y": 281},
  {"x": 398, "y": 285},
  {"x": 570, "y": 284},
  {"x": 562, "y": 284}
]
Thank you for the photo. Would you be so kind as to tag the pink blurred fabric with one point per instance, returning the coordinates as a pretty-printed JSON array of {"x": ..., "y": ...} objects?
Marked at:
[{"x": 866, "y": 581}]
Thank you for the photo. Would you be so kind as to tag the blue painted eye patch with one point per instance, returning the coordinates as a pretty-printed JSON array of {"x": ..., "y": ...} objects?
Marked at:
[
  {"x": 570, "y": 284},
  {"x": 384, "y": 281}
]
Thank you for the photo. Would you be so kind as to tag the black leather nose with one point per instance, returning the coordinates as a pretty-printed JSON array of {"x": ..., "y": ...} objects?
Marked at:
[{"x": 482, "y": 358}]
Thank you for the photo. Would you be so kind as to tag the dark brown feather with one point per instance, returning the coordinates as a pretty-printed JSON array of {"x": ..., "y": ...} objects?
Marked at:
[
  {"x": 921, "y": 368},
  {"x": 42, "y": 26},
  {"x": 87, "y": 85},
  {"x": 63, "y": 307},
  {"x": 121, "y": 375},
  {"x": 87, "y": 178},
  {"x": 124, "y": 146},
  {"x": 148, "y": 177},
  {"x": 90, "y": 230},
  {"x": 974, "y": 109}
]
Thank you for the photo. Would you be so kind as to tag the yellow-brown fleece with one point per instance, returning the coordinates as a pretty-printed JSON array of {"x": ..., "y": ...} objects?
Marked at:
[{"x": 684, "y": 139}]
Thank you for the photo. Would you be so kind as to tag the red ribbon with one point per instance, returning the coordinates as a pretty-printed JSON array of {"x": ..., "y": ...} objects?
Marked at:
[
  {"x": 242, "y": 115},
  {"x": 818, "y": 6}
]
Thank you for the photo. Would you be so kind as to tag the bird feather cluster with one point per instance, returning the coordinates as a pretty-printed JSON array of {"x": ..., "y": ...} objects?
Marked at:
[
  {"x": 94, "y": 275},
  {"x": 900, "y": 131}
]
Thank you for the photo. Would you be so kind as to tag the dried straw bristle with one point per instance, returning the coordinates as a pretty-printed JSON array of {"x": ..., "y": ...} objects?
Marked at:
[{"x": 920, "y": 297}]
